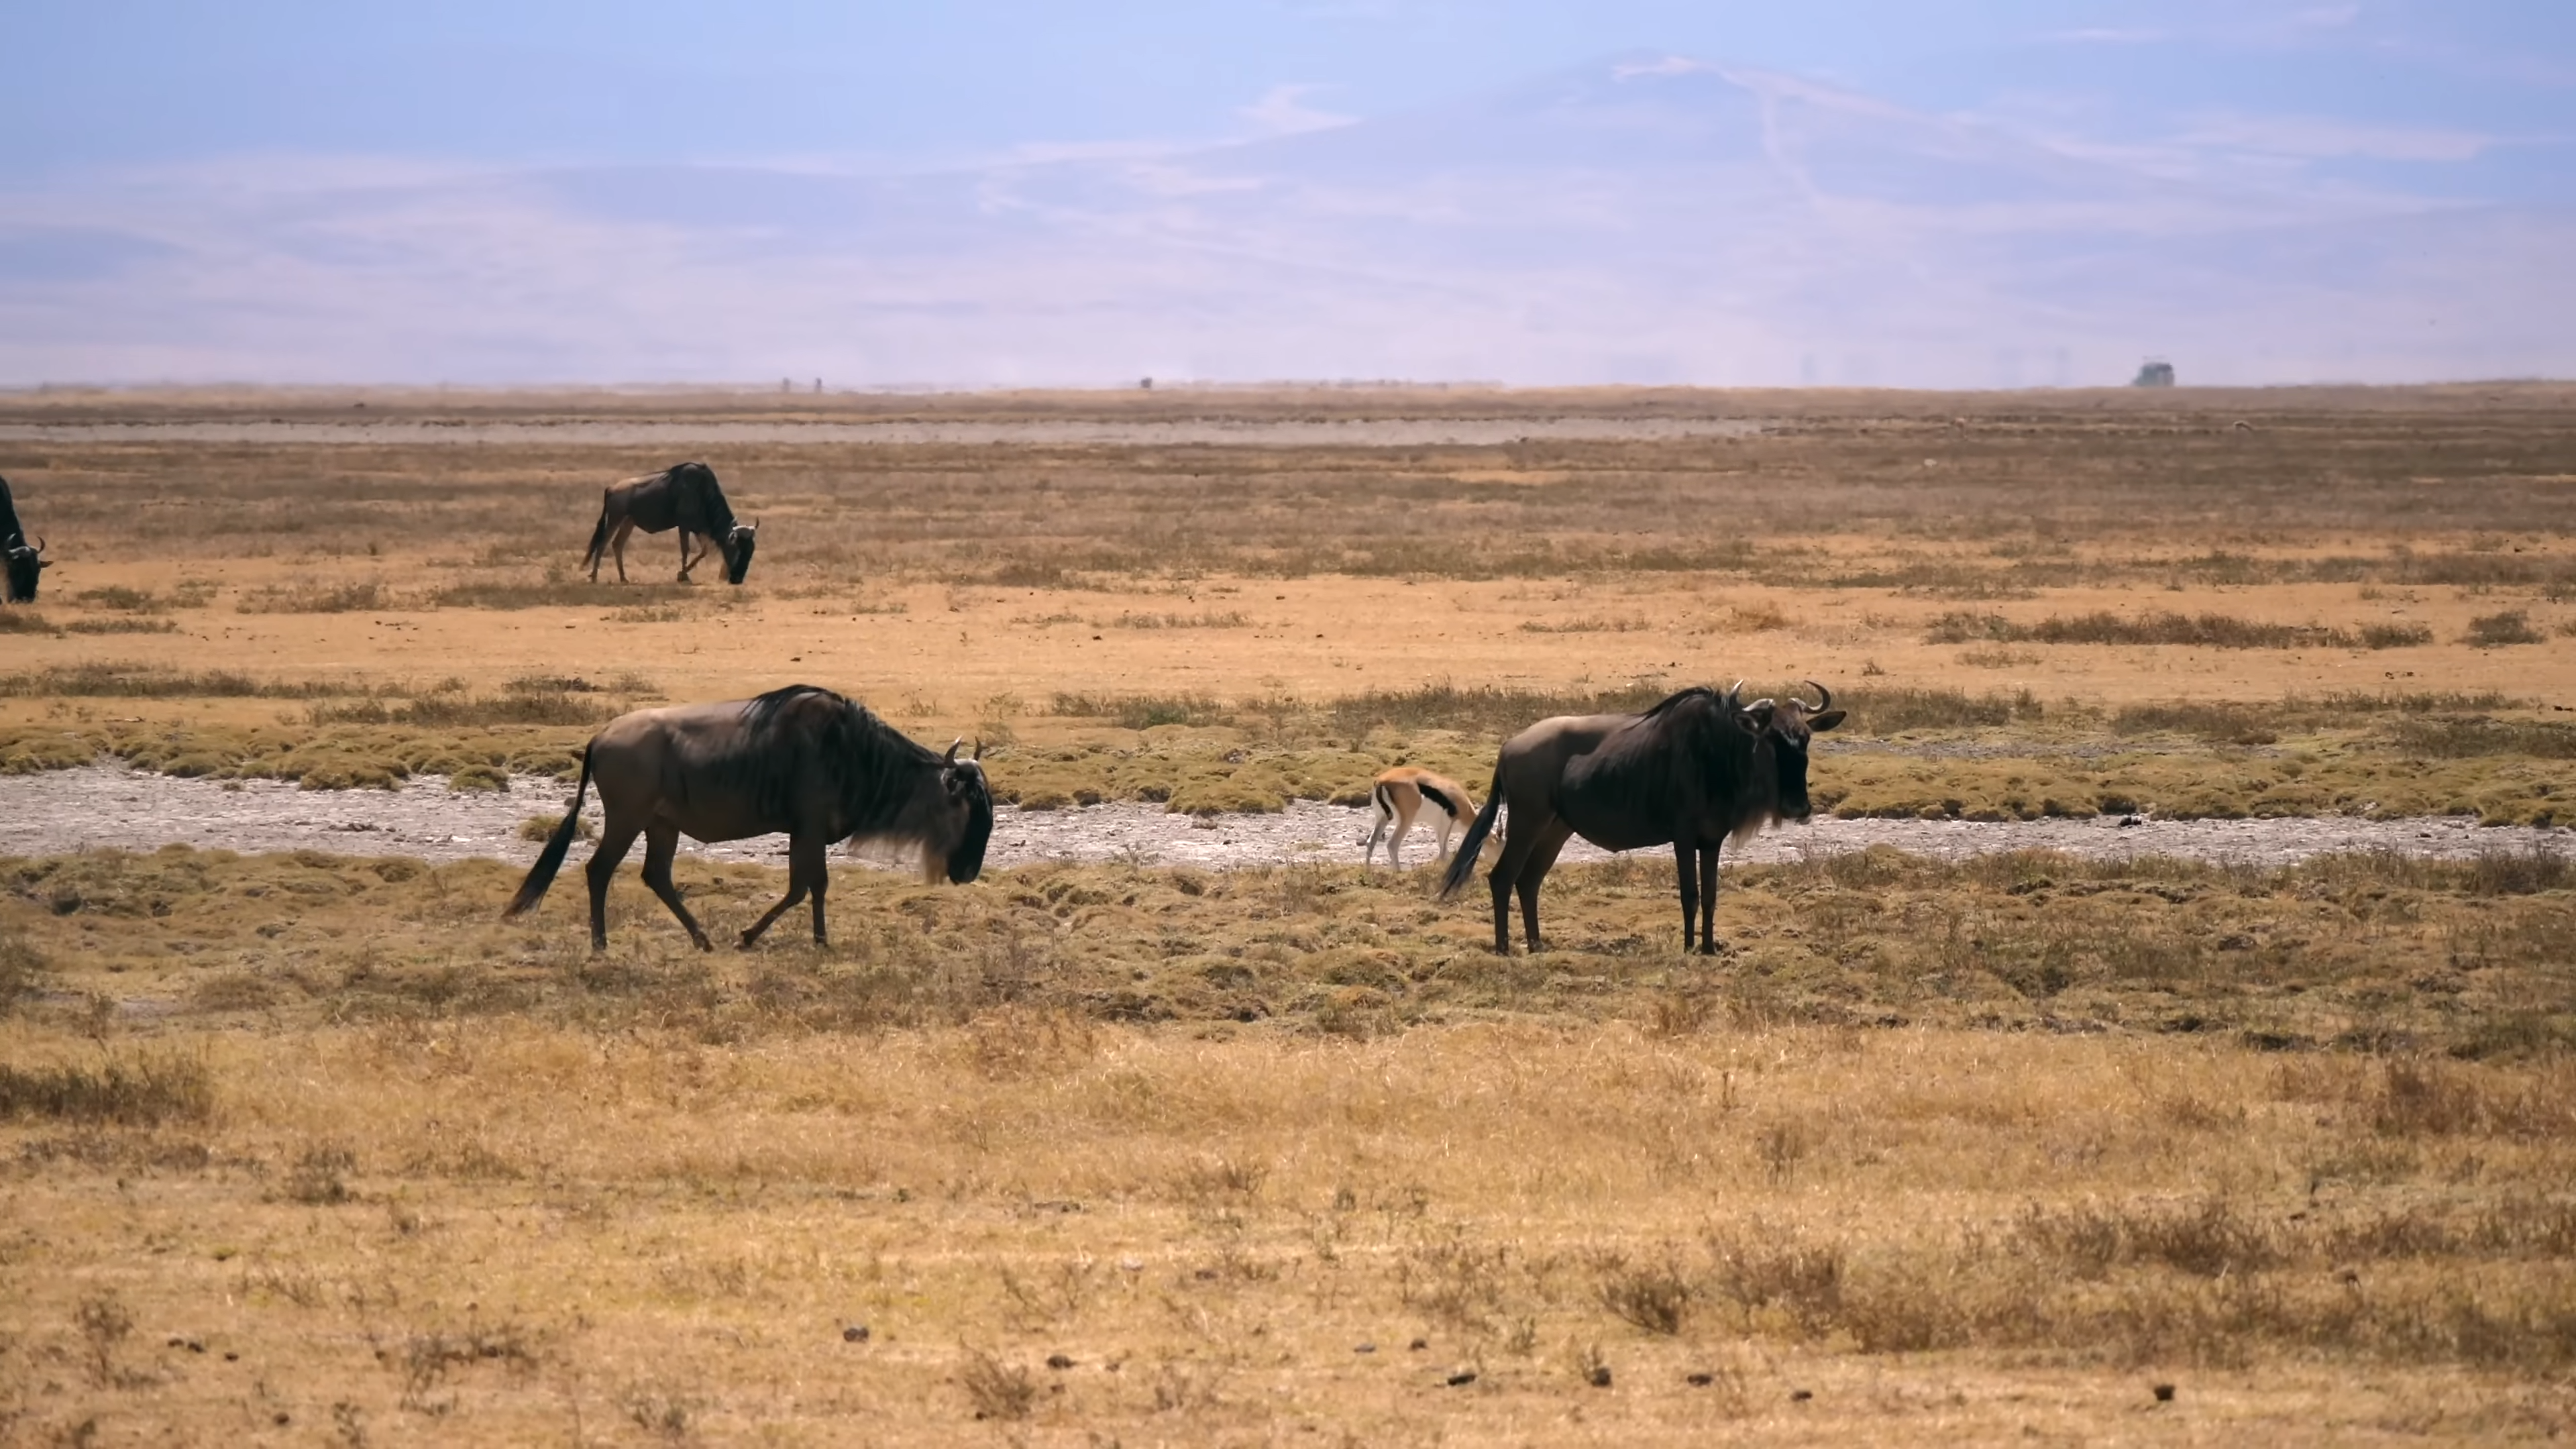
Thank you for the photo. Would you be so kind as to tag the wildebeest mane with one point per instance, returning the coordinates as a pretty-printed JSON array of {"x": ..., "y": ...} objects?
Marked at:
[
  {"x": 1682, "y": 746},
  {"x": 832, "y": 746},
  {"x": 700, "y": 500}
]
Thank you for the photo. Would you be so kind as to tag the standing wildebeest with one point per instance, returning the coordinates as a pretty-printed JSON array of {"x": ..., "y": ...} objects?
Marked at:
[
  {"x": 685, "y": 497},
  {"x": 23, "y": 562},
  {"x": 1697, "y": 768},
  {"x": 798, "y": 760}
]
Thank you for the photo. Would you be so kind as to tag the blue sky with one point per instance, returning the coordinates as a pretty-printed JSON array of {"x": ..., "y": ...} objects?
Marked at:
[{"x": 496, "y": 191}]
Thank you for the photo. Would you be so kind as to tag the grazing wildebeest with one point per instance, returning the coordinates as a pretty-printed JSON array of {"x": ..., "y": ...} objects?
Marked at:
[
  {"x": 24, "y": 562},
  {"x": 684, "y": 496},
  {"x": 798, "y": 760},
  {"x": 1692, "y": 771},
  {"x": 1400, "y": 794}
]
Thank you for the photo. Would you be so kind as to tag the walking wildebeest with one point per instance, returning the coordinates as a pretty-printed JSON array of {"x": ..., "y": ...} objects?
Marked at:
[
  {"x": 798, "y": 760},
  {"x": 1692, "y": 771},
  {"x": 1400, "y": 794},
  {"x": 684, "y": 496},
  {"x": 24, "y": 563}
]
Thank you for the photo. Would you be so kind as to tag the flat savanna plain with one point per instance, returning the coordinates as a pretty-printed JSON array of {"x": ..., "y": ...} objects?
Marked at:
[{"x": 314, "y": 1148}]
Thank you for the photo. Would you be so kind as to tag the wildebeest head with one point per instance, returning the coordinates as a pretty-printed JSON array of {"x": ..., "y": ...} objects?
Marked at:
[
  {"x": 1782, "y": 729},
  {"x": 967, "y": 820},
  {"x": 737, "y": 545},
  {"x": 25, "y": 563}
]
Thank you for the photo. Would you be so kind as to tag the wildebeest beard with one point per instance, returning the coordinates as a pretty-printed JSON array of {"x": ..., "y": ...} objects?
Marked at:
[
  {"x": 966, "y": 861},
  {"x": 25, "y": 564},
  {"x": 25, "y": 570},
  {"x": 737, "y": 545}
]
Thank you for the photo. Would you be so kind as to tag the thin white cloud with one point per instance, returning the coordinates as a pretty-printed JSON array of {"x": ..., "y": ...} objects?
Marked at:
[
  {"x": 2110, "y": 35},
  {"x": 1668, "y": 65},
  {"x": 1282, "y": 111},
  {"x": 2326, "y": 138}
]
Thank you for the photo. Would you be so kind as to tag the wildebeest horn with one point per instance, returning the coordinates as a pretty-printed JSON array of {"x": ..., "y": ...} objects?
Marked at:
[
  {"x": 1824, "y": 697},
  {"x": 979, "y": 749},
  {"x": 952, "y": 750}
]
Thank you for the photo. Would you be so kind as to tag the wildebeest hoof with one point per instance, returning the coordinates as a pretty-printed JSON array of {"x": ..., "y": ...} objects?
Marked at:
[{"x": 747, "y": 938}]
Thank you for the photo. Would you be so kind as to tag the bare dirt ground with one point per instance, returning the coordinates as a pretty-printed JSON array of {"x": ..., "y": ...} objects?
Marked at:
[{"x": 107, "y": 807}]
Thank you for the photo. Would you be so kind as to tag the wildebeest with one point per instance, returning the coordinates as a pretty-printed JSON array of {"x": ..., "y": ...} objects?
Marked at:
[
  {"x": 24, "y": 562},
  {"x": 1400, "y": 794},
  {"x": 684, "y": 496},
  {"x": 800, "y": 760},
  {"x": 1694, "y": 770}
]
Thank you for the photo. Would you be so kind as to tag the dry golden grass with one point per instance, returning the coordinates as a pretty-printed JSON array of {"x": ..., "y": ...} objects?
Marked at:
[
  {"x": 306, "y": 1149},
  {"x": 491, "y": 1229}
]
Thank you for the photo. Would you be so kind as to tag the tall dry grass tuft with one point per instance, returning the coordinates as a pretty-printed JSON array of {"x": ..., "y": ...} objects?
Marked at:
[
  {"x": 2204, "y": 631},
  {"x": 143, "y": 1090}
]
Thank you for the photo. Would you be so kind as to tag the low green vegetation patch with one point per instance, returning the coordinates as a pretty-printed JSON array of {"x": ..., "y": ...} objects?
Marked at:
[{"x": 1928, "y": 754}]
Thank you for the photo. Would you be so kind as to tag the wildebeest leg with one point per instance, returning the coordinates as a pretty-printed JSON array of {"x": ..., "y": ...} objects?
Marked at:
[
  {"x": 1541, "y": 860},
  {"x": 617, "y": 546},
  {"x": 686, "y": 563},
  {"x": 1686, "y": 869},
  {"x": 804, "y": 870},
  {"x": 615, "y": 838},
  {"x": 1707, "y": 904},
  {"x": 661, "y": 842},
  {"x": 1519, "y": 841},
  {"x": 809, "y": 856}
]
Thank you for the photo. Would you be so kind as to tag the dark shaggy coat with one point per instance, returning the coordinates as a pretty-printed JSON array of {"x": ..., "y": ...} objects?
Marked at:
[
  {"x": 1691, "y": 772},
  {"x": 684, "y": 496},
  {"x": 798, "y": 761}
]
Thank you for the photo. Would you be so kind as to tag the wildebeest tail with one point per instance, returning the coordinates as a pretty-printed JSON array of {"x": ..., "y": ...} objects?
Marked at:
[
  {"x": 1463, "y": 864},
  {"x": 599, "y": 535},
  {"x": 1437, "y": 796},
  {"x": 551, "y": 859}
]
